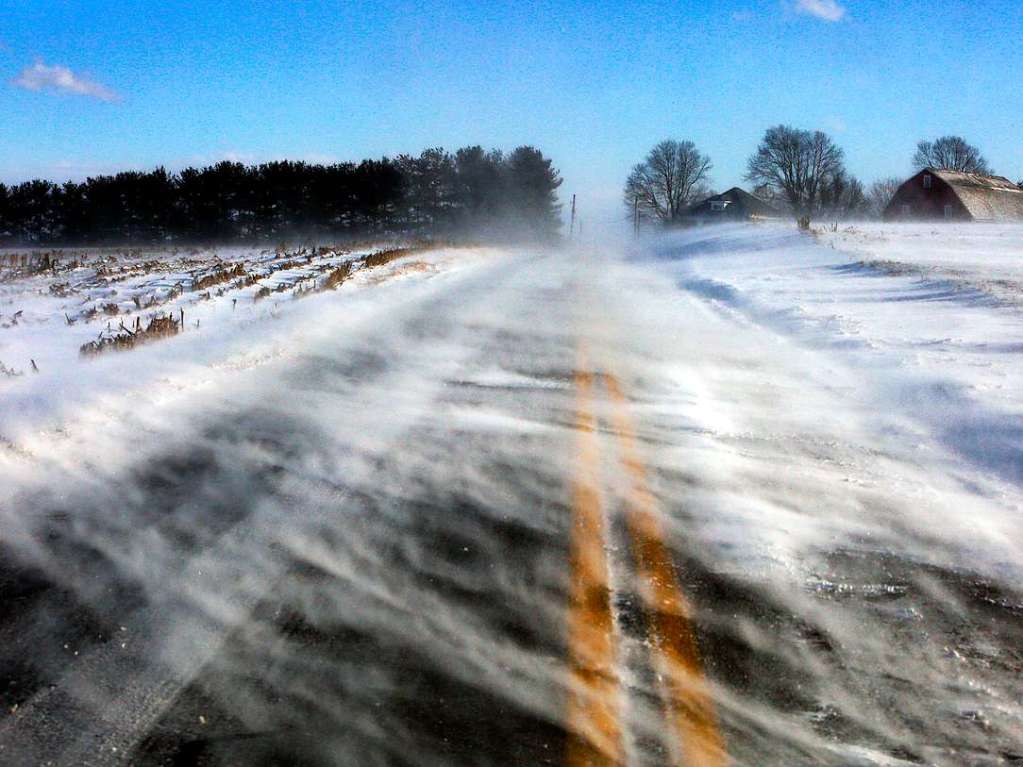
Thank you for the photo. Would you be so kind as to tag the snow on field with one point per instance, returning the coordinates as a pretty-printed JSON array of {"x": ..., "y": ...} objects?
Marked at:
[
  {"x": 97, "y": 293},
  {"x": 984, "y": 258},
  {"x": 232, "y": 307},
  {"x": 920, "y": 325}
]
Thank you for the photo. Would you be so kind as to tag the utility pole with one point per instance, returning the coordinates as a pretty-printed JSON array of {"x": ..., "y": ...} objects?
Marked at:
[
  {"x": 571, "y": 228},
  {"x": 635, "y": 215}
]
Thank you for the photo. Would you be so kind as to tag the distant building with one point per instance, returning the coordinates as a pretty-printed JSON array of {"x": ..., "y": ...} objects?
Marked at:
[
  {"x": 733, "y": 205},
  {"x": 949, "y": 195}
]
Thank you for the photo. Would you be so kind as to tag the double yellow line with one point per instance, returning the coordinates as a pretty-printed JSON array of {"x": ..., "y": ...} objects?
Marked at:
[{"x": 595, "y": 734}]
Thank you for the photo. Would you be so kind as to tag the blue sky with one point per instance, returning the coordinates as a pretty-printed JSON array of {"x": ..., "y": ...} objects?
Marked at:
[{"x": 96, "y": 85}]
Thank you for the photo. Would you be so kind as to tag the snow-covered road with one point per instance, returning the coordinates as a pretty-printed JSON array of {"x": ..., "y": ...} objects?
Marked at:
[{"x": 736, "y": 496}]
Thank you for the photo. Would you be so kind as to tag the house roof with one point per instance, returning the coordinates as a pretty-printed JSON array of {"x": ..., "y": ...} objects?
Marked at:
[
  {"x": 987, "y": 198},
  {"x": 742, "y": 199}
]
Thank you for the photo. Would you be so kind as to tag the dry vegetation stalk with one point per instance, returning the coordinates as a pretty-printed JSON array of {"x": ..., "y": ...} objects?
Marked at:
[
  {"x": 124, "y": 338},
  {"x": 217, "y": 277},
  {"x": 337, "y": 276},
  {"x": 383, "y": 257}
]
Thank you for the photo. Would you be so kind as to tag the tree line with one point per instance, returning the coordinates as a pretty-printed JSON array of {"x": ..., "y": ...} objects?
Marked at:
[
  {"x": 436, "y": 193},
  {"x": 801, "y": 172}
]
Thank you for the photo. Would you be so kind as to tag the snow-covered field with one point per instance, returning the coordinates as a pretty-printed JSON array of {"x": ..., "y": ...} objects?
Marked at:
[
  {"x": 982, "y": 258},
  {"x": 226, "y": 307},
  {"x": 931, "y": 317},
  {"x": 340, "y": 526}
]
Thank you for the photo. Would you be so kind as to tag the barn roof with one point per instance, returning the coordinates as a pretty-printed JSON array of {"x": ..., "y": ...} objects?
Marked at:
[
  {"x": 987, "y": 198},
  {"x": 751, "y": 204}
]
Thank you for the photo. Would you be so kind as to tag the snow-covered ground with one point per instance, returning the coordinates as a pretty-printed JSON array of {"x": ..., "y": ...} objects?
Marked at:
[
  {"x": 47, "y": 315},
  {"x": 238, "y": 306},
  {"x": 983, "y": 258},
  {"x": 930, "y": 316}
]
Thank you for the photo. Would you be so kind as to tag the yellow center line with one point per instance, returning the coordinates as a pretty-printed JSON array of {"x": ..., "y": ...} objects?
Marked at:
[
  {"x": 594, "y": 735},
  {"x": 686, "y": 693}
]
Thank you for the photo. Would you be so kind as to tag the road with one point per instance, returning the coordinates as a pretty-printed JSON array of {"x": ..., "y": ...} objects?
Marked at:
[{"x": 554, "y": 508}]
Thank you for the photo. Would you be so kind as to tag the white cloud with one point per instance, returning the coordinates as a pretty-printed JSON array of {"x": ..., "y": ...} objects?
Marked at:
[
  {"x": 828, "y": 10},
  {"x": 42, "y": 77}
]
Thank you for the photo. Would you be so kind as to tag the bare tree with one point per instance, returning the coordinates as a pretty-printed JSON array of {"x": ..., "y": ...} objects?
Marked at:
[
  {"x": 881, "y": 193},
  {"x": 770, "y": 195},
  {"x": 950, "y": 153},
  {"x": 667, "y": 181},
  {"x": 842, "y": 197},
  {"x": 797, "y": 165}
]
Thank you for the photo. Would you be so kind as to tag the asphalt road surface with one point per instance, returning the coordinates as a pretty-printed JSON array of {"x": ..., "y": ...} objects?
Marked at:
[{"x": 544, "y": 508}]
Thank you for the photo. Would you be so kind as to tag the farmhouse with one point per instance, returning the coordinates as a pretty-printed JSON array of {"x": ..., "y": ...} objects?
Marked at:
[
  {"x": 953, "y": 196},
  {"x": 733, "y": 205}
]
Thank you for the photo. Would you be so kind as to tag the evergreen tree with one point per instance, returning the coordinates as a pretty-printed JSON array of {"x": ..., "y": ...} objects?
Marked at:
[{"x": 434, "y": 193}]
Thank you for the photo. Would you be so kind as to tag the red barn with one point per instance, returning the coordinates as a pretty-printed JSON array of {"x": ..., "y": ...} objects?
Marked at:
[{"x": 949, "y": 195}]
